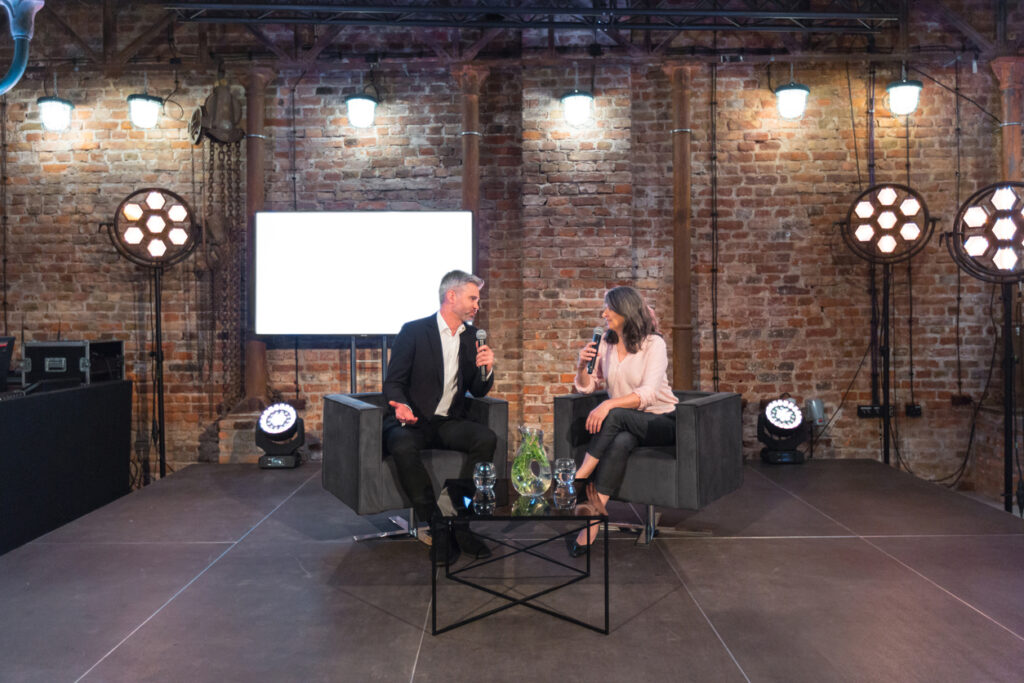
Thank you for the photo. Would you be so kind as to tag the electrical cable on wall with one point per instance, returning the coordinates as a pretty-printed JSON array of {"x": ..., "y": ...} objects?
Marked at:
[
  {"x": 842, "y": 401},
  {"x": 960, "y": 398},
  {"x": 872, "y": 275},
  {"x": 291, "y": 150},
  {"x": 958, "y": 473},
  {"x": 3, "y": 201},
  {"x": 900, "y": 460},
  {"x": 959, "y": 282},
  {"x": 853, "y": 129},
  {"x": 910, "y": 327},
  {"x": 956, "y": 90},
  {"x": 714, "y": 226},
  {"x": 910, "y": 281},
  {"x": 1016, "y": 442},
  {"x": 295, "y": 195}
]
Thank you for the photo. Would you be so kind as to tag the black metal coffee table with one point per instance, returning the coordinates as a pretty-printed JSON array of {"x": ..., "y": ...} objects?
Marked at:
[{"x": 457, "y": 505}]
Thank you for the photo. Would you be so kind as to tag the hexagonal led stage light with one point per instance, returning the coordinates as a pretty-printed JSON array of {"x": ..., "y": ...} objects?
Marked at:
[
  {"x": 154, "y": 227},
  {"x": 887, "y": 223},
  {"x": 987, "y": 239},
  {"x": 987, "y": 242}
]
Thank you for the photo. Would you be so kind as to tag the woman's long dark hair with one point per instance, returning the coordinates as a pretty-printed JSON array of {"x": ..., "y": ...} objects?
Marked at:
[{"x": 639, "y": 322}]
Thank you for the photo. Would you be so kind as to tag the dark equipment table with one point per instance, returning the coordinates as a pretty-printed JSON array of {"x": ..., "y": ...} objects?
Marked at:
[
  {"x": 456, "y": 502},
  {"x": 63, "y": 454}
]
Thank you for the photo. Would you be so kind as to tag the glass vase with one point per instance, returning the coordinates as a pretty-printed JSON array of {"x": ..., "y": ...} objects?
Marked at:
[{"x": 531, "y": 470}]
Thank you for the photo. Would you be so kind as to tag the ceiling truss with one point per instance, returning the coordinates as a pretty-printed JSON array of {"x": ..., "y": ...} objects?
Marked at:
[
  {"x": 296, "y": 35},
  {"x": 865, "y": 17}
]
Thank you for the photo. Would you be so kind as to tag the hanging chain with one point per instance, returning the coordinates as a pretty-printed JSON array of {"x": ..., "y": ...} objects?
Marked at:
[
  {"x": 238, "y": 243},
  {"x": 230, "y": 307}
]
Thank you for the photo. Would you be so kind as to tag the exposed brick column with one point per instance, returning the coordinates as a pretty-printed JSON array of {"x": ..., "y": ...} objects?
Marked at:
[
  {"x": 1010, "y": 72},
  {"x": 682, "y": 307},
  {"x": 256, "y": 377},
  {"x": 470, "y": 78}
]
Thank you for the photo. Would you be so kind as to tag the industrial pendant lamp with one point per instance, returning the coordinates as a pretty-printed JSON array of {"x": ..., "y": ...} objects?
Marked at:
[
  {"x": 143, "y": 108},
  {"x": 361, "y": 110},
  {"x": 362, "y": 107},
  {"x": 791, "y": 99},
  {"x": 55, "y": 112},
  {"x": 577, "y": 104},
  {"x": 903, "y": 94}
]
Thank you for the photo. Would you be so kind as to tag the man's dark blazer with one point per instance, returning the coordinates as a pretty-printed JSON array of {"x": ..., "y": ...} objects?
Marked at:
[{"x": 416, "y": 369}]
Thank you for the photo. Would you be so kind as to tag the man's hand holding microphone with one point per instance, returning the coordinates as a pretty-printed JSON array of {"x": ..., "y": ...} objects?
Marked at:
[{"x": 484, "y": 354}]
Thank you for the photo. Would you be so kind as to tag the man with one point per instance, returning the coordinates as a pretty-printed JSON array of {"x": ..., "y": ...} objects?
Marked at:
[{"x": 434, "y": 361}]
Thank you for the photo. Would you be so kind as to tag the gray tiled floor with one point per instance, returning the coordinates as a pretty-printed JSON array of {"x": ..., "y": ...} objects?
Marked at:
[{"x": 834, "y": 570}]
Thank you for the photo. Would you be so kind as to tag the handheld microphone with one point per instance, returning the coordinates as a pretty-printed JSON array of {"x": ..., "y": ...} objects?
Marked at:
[
  {"x": 481, "y": 338},
  {"x": 598, "y": 331}
]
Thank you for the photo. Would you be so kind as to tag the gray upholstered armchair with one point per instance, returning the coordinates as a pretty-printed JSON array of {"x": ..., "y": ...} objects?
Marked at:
[
  {"x": 705, "y": 464},
  {"x": 358, "y": 471}
]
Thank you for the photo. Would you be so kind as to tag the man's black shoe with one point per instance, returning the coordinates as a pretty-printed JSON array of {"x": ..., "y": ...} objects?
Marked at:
[
  {"x": 471, "y": 544},
  {"x": 444, "y": 548}
]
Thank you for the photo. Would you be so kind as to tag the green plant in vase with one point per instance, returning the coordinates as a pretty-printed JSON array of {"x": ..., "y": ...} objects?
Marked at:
[{"x": 531, "y": 470}]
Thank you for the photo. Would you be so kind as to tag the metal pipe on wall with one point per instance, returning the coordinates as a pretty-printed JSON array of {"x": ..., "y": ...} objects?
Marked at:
[
  {"x": 470, "y": 78},
  {"x": 1010, "y": 72},
  {"x": 680, "y": 77},
  {"x": 255, "y": 362}
]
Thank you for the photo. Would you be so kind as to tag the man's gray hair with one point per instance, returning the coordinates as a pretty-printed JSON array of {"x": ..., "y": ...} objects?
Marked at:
[{"x": 456, "y": 279}]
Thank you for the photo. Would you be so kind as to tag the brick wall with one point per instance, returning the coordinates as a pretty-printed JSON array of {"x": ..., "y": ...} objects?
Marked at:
[{"x": 565, "y": 214}]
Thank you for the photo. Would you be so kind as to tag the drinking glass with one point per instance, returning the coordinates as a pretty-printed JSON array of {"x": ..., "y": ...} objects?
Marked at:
[
  {"x": 484, "y": 502},
  {"x": 565, "y": 472},
  {"x": 484, "y": 476},
  {"x": 564, "y": 497}
]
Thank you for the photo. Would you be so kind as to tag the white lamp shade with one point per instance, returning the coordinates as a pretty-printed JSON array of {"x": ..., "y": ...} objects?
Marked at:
[
  {"x": 791, "y": 100},
  {"x": 903, "y": 96},
  {"x": 577, "y": 107},
  {"x": 144, "y": 110},
  {"x": 361, "y": 110},
  {"x": 55, "y": 113}
]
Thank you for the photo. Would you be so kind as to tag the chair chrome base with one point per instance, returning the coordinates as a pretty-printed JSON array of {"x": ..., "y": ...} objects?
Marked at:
[
  {"x": 406, "y": 527},
  {"x": 650, "y": 528}
]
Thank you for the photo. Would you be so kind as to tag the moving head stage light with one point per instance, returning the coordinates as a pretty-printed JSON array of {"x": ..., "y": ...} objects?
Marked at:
[
  {"x": 280, "y": 433},
  {"x": 781, "y": 428}
]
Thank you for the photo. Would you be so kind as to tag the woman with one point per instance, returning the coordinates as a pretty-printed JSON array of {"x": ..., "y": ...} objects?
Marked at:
[{"x": 632, "y": 362}]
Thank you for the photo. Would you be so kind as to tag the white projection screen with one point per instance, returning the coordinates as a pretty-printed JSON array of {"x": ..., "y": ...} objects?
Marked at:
[{"x": 354, "y": 272}]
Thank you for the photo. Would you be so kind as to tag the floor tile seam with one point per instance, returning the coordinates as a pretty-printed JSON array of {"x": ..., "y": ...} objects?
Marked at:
[
  {"x": 826, "y": 537},
  {"x": 700, "y": 608},
  {"x": 421, "y": 643},
  {"x": 999, "y": 534},
  {"x": 806, "y": 503},
  {"x": 948, "y": 592},
  {"x": 903, "y": 564},
  {"x": 128, "y": 543},
  {"x": 191, "y": 581},
  {"x": 797, "y": 537}
]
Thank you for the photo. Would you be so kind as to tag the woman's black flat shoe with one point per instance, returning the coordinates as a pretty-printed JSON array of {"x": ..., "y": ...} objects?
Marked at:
[{"x": 575, "y": 549}]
